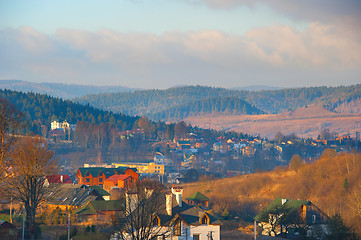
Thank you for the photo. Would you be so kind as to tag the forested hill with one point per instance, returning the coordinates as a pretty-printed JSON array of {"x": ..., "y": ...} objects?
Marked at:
[
  {"x": 40, "y": 109},
  {"x": 162, "y": 104},
  {"x": 228, "y": 105}
]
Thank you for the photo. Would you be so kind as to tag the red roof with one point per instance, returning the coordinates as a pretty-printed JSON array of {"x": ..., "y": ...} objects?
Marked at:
[
  {"x": 116, "y": 177},
  {"x": 59, "y": 179}
]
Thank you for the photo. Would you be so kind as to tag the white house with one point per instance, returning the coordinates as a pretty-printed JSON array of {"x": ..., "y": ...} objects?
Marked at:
[
  {"x": 62, "y": 125},
  {"x": 187, "y": 221},
  {"x": 181, "y": 221}
]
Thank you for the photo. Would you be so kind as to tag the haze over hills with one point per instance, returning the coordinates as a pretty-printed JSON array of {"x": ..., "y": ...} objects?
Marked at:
[
  {"x": 150, "y": 102},
  {"x": 303, "y": 111},
  {"x": 60, "y": 90}
]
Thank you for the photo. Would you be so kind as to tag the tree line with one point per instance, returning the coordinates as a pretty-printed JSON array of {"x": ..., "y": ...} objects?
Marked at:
[
  {"x": 162, "y": 104},
  {"x": 227, "y": 105},
  {"x": 97, "y": 127}
]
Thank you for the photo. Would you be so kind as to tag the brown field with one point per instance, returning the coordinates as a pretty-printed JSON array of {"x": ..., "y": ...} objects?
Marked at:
[{"x": 304, "y": 122}]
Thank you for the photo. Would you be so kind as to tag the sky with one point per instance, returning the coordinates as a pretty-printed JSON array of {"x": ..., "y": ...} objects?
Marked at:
[{"x": 165, "y": 43}]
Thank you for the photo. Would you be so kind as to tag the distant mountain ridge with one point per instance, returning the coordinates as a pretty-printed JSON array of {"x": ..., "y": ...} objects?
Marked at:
[
  {"x": 256, "y": 88},
  {"x": 60, "y": 90},
  {"x": 169, "y": 104}
]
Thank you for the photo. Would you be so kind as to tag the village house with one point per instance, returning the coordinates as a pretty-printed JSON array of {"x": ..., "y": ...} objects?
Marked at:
[
  {"x": 282, "y": 217},
  {"x": 145, "y": 168},
  {"x": 100, "y": 212},
  {"x": 70, "y": 196},
  {"x": 55, "y": 124},
  {"x": 188, "y": 221},
  {"x": 8, "y": 230},
  {"x": 179, "y": 220},
  {"x": 103, "y": 193},
  {"x": 57, "y": 179},
  {"x": 120, "y": 181},
  {"x": 198, "y": 199},
  {"x": 183, "y": 144},
  {"x": 96, "y": 175},
  {"x": 248, "y": 151}
]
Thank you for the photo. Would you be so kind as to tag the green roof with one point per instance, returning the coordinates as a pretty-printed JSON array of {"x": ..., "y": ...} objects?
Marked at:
[
  {"x": 100, "y": 190},
  {"x": 198, "y": 197},
  {"x": 276, "y": 205},
  {"x": 95, "y": 171},
  {"x": 94, "y": 206}
]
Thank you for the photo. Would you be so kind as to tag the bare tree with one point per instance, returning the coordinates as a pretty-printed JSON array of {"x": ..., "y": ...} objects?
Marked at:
[
  {"x": 145, "y": 203},
  {"x": 31, "y": 162},
  {"x": 10, "y": 122}
]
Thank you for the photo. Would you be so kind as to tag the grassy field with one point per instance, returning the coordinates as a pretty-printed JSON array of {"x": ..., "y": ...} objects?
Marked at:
[{"x": 304, "y": 122}]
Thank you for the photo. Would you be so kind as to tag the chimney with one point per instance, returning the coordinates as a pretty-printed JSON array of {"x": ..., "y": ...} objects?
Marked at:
[
  {"x": 177, "y": 191},
  {"x": 284, "y": 200},
  {"x": 169, "y": 203},
  {"x": 61, "y": 178}
]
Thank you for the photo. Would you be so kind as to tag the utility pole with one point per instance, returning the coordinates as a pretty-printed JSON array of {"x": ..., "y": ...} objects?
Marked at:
[
  {"x": 255, "y": 230},
  {"x": 11, "y": 209},
  {"x": 68, "y": 225}
]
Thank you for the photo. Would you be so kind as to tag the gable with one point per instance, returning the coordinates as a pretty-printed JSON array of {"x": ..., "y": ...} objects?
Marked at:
[{"x": 96, "y": 171}]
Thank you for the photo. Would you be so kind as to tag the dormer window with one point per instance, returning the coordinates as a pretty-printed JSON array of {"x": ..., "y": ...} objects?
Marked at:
[
  {"x": 156, "y": 221},
  {"x": 177, "y": 228},
  {"x": 205, "y": 220}
]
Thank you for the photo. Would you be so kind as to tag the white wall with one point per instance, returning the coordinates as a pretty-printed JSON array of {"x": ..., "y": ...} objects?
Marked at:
[{"x": 202, "y": 230}]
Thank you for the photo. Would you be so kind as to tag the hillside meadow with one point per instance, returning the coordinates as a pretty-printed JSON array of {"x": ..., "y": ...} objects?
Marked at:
[
  {"x": 333, "y": 183},
  {"x": 304, "y": 122}
]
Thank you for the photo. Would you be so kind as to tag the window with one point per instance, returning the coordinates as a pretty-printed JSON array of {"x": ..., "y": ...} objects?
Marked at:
[
  {"x": 196, "y": 236},
  {"x": 156, "y": 221},
  {"x": 177, "y": 228},
  {"x": 313, "y": 218},
  {"x": 210, "y": 235},
  {"x": 87, "y": 180},
  {"x": 87, "y": 174},
  {"x": 100, "y": 179},
  {"x": 204, "y": 220}
]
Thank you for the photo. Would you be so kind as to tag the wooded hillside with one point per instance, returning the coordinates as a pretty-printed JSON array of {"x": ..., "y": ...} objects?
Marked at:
[
  {"x": 40, "y": 109},
  {"x": 332, "y": 183},
  {"x": 185, "y": 101}
]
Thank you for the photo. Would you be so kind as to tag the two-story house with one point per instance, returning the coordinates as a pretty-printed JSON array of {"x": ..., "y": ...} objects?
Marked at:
[{"x": 286, "y": 216}]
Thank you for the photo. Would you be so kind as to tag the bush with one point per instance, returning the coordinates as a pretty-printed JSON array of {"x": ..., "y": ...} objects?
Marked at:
[
  {"x": 63, "y": 237},
  {"x": 74, "y": 231},
  {"x": 93, "y": 229},
  {"x": 87, "y": 229}
]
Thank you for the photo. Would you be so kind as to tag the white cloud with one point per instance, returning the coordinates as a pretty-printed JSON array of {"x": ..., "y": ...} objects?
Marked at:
[{"x": 267, "y": 55}]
